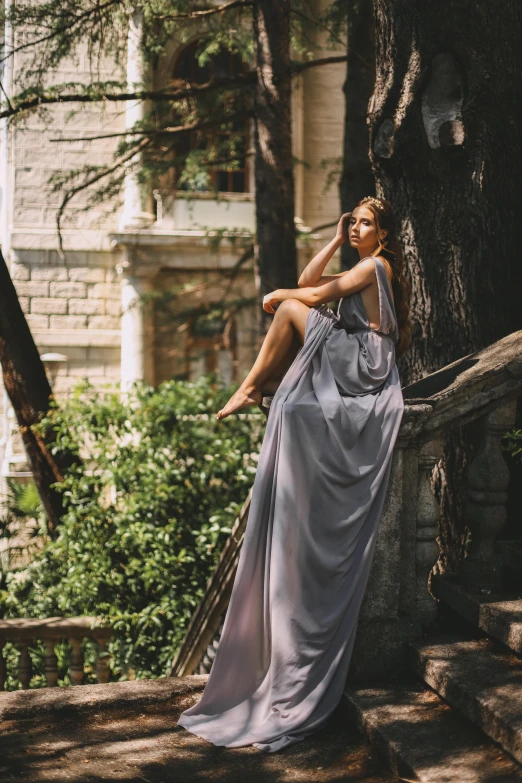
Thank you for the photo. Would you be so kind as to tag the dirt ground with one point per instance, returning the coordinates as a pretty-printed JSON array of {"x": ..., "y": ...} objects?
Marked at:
[{"x": 144, "y": 743}]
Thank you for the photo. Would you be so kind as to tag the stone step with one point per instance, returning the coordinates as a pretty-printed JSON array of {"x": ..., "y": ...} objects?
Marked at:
[
  {"x": 499, "y": 614},
  {"x": 510, "y": 554},
  {"x": 127, "y": 733},
  {"x": 421, "y": 738},
  {"x": 479, "y": 678}
]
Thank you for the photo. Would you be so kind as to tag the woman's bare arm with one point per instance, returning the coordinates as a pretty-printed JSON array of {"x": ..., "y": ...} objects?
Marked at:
[
  {"x": 312, "y": 274},
  {"x": 362, "y": 275}
]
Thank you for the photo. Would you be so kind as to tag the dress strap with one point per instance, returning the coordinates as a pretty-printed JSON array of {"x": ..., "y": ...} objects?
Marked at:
[{"x": 388, "y": 323}]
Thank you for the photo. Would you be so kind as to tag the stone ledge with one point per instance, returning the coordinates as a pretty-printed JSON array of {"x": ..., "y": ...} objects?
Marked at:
[
  {"x": 143, "y": 742},
  {"x": 25, "y": 629},
  {"x": 497, "y": 614},
  {"x": 89, "y": 338},
  {"x": 20, "y": 705}
]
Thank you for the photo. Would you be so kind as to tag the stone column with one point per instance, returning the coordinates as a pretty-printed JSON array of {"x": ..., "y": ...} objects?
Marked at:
[
  {"x": 384, "y": 629},
  {"x": 137, "y": 203},
  {"x": 137, "y": 327},
  {"x": 488, "y": 480},
  {"x": 427, "y": 548}
]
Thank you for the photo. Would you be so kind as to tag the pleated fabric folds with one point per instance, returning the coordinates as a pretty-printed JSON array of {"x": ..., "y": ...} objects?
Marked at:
[{"x": 286, "y": 644}]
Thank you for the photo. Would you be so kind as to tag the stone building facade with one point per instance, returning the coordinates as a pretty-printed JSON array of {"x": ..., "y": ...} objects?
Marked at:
[{"x": 85, "y": 306}]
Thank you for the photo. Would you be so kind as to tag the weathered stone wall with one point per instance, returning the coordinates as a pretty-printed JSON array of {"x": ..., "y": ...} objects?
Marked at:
[
  {"x": 36, "y": 155},
  {"x": 72, "y": 307}
]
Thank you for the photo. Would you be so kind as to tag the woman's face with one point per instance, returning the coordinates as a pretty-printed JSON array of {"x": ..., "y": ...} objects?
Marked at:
[{"x": 362, "y": 230}]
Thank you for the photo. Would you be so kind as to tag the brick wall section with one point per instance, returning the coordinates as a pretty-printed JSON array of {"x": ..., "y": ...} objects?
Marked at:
[
  {"x": 37, "y": 155},
  {"x": 68, "y": 298},
  {"x": 100, "y": 365},
  {"x": 71, "y": 298}
]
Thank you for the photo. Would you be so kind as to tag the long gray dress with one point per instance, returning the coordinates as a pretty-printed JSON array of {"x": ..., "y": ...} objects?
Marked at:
[{"x": 283, "y": 657}]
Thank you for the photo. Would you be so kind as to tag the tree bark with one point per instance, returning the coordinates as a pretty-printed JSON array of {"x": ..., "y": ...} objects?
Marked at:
[
  {"x": 274, "y": 182},
  {"x": 28, "y": 388},
  {"x": 444, "y": 142},
  {"x": 357, "y": 178}
]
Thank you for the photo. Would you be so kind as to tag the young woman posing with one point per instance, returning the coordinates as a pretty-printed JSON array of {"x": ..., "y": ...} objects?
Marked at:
[
  {"x": 286, "y": 644},
  {"x": 365, "y": 228}
]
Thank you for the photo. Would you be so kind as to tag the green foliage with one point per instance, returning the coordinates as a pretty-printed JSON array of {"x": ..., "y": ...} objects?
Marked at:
[
  {"x": 23, "y": 500},
  {"x": 512, "y": 443},
  {"x": 145, "y": 518}
]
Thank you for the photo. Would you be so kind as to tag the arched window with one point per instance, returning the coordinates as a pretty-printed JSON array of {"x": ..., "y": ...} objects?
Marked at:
[{"x": 222, "y": 65}]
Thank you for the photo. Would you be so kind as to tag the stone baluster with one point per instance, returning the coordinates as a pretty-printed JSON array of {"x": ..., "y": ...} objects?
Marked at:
[
  {"x": 76, "y": 667},
  {"x": 25, "y": 667},
  {"x": 427, "y": 549},
  {"x": 25, "y": 631},
  {"x": 3, "y": 669},
  {"x": 102, "y": 667},
  {"x": 488, "y": 479},
  {"x": 50, "y": 664}
]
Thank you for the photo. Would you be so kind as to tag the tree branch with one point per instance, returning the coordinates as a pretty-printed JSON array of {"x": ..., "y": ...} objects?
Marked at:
[
  {"x": 207, "y": 12},
  {"x": 155, "y": 131},
  {"x": 194, "y": 90},
  {"x": 317, "y": 23},
  {"x": 236, "y": 82},
  {"x": 300, "y": 67},
  {"x": 63, "y": 29},
  {"x": 92, "y": 181}
]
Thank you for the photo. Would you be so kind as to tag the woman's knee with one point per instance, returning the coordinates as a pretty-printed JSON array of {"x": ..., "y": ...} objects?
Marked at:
[
  {"x": 290, "y": 307},
  {"x": 294, "y": 312}
]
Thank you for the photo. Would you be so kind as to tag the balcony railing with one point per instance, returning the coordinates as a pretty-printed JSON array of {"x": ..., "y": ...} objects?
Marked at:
[
  {"x": 199, "y": 211},
  {"x": 23, "y": 632}
]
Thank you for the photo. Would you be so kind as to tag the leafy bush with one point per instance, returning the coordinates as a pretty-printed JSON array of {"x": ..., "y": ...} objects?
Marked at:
[
  {"x": 512, "y": 443},
  {"x": 146, "y": 516}
]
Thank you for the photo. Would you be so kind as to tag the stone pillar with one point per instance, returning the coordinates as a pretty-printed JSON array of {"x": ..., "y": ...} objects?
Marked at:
[
  {"x": 384, "y": 629},
  {"x": 137, "y": 202},
  {"x": 137, "y": 326},
  {"x": 488, "y": 479},
  {"x": 427, "y": 549}
]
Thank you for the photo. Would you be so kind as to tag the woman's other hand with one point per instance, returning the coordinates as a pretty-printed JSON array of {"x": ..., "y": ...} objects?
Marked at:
[
  {"x": 270, "y": 300},
  {"x": 341, "y": 234}
]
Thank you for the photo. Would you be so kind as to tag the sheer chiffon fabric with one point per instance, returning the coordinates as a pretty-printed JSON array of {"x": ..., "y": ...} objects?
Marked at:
[{"x": 286, "y": 644}]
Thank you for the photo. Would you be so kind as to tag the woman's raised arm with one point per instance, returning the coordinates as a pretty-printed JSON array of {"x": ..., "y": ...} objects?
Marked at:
[{"x": 312, "y": 274}]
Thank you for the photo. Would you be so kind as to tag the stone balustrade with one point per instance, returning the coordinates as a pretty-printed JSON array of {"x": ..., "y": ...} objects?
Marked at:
[
  {"x": 22, "y": 632},
  {"x": 398, "y": 602}
]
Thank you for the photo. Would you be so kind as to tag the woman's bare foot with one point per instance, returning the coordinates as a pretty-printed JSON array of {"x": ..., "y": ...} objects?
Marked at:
[{"x": 243, "y": 398}]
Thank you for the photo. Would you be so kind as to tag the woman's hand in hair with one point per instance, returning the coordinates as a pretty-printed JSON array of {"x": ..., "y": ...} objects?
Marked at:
[{"x": 341, "y": 235}]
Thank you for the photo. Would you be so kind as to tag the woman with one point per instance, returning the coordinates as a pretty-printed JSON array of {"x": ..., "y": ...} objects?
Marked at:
[{"x": 288, "y": 636}]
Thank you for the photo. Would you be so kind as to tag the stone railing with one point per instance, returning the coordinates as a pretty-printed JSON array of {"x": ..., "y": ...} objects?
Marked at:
[
  {"x": 397, "y": 603},
  {"x": 482, "y": 386},
  {"x": 206, "y": 620},
  {"x": 22, "y": 632}
]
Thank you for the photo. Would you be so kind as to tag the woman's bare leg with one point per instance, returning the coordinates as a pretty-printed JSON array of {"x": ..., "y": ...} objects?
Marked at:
[
  {"x": 271, "y": 384},
  {"x": 289, "y": 321}
]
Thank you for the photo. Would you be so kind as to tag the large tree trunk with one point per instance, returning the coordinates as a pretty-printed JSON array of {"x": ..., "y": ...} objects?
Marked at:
[
  {"x": 28, "y": 388},
  {"x": 444, "y": 144},
  {"x": 357, "y": 178},
  {"x": 274, "y": 182}
]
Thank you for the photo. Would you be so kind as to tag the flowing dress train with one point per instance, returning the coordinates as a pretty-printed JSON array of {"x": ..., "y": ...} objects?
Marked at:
[{"x": 287, "y": 640}]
